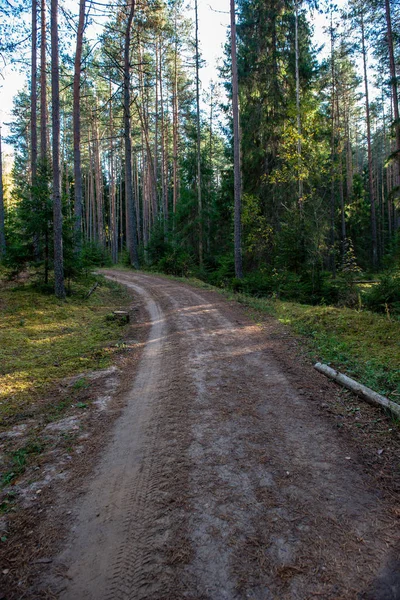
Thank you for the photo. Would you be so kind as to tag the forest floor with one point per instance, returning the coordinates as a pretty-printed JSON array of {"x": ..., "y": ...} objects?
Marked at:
[{"x": 234, "y": 470}]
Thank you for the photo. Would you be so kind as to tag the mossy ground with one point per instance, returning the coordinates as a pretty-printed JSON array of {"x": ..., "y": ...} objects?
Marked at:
[{"x": 43, "y": 339}]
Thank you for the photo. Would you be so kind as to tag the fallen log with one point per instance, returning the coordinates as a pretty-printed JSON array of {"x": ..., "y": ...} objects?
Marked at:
[
  {"x": 361, "y": 390},
  {"x": 92, "y": 289},
  {"x": 122, "y": 316}
]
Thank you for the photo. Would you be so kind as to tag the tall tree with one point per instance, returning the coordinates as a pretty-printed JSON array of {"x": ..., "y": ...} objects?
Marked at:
[
  {"x": 55, "y": 101},
  {"x": 395, "y": 93},
  {"x": 2, "y": 228},
  {"x": 43, "y": 87},
  {"x": 34, "y": 150},
  {"x": 236, "y": 151},
  {"x": 369, "y": 146},
  {"x": 77, "y": 128},
  {"x": 130, "y": 205},
  {"x": 198, "y": 134}
]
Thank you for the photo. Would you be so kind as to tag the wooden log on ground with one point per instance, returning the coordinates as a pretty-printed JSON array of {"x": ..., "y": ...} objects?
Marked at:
[
  {"x": 361, "y": 390},
  {"x": 122, "y": 316},
  {"x": 92, "y": 289}
]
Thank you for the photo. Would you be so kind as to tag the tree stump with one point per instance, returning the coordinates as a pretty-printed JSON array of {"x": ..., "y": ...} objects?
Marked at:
[{"x": 122, "y": 316}]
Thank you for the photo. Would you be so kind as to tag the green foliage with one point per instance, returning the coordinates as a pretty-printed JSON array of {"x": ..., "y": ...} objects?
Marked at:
[
  {"x": 94, "y": 255},
  {"x": 176, "y": 261},
  {"x": 19, "y": 460},
  {"x": 385, "y": 295}
]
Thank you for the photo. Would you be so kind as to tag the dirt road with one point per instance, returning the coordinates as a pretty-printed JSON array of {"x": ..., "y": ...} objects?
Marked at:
[{"x": 223, "y": 479}]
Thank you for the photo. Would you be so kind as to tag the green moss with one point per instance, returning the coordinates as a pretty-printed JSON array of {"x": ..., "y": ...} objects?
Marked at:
[
  {"x": 363, "y": 344},
  {"x": 43, "y": 339}
]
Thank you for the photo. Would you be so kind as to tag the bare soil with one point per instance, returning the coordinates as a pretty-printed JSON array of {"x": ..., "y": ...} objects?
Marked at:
[{"x": 234, "y": 471}]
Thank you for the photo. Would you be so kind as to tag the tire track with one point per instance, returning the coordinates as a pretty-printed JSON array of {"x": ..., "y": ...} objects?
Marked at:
[
  {"x": 112, "y": 554},
  {"x": 222, "y": 481}
]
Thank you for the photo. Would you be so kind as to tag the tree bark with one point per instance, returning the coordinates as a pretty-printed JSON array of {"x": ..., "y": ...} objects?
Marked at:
[
  {"x": 332, "y": 203},
  {"x": 98, "y": 182},
  {"x": 175, "y": 124},
  {"x": 34, "y": 146},
  {"x": 57, "y": 210},
  {"x": 43, "y": 88},
  {"x": 361, "y": 390},
  {"x": 395, "y": 94},
  {"x": 236, "y": 151},
  {"x": 34, "y": 151},
  {"x": 113, "y": 195},
  {"x": 370, "y": 172},
  {"x": 77, "y": 131},
  {"x": 300, "y": 181},
  {"x": 2, "y": 224},
  {"x": 199, "y": 197},
  {"x": 130, "y": 206}
]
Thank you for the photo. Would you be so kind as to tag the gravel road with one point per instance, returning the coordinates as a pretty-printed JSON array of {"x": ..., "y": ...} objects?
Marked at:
[{"x": 223, "y": 478}]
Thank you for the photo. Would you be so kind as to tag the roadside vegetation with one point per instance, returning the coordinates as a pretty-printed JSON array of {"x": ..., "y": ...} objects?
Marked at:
[
  {"x": 363, "y": 344},
  {"x": 44, "y": 340}
]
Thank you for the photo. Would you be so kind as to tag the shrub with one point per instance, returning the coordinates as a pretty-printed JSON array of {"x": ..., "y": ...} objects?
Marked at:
[
  {"x": 385, "y": 295},
  {"x": 177, "y": 262}
]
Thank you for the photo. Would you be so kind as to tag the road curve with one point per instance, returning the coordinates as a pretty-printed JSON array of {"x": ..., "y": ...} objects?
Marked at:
[{"x": 222, "y": 479}]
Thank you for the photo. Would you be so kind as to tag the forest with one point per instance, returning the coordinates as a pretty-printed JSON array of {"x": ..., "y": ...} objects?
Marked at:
[{"x": 281, "y": 179}]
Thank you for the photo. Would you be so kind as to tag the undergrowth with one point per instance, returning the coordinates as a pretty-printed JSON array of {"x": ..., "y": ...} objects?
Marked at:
[{"x": 43, "y": 339}]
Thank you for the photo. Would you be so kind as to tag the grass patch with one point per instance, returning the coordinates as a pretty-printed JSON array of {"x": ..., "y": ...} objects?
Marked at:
[
  {"x": 43, "y": 339},
  {"x": 19, "y": 460},
  {"x": 365, "y": 345}
]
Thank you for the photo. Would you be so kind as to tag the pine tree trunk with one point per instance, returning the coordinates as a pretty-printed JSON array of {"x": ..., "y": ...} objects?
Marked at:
[
  {"x": 99, "y": 183},
  {"x": 77, "y": 130},
  {"x": 113, "y": 195},
  {"x": 332, "y": 203},
  {"x": 43, "y": 88},
  {"x": 57, "y": 211},
  {"x": 393, "y": 75},
  {"x": 34, "y": 150},
  {"x": 163, "y": 152},
  {"x": 2, "y": 224},
  {"x": 370, "y": 166},
  {"x": 175, "y": 125},
  {"x": 300, "y": 180},
  {"x": 199, "y": 197},
  {"x": 236, "y": 150},
  {"x": 34, "y": 146},
  {"x": 130, "y": 206}
]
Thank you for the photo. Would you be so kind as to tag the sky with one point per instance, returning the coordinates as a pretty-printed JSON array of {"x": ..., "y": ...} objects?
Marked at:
[{"x": 214, "y": 21}]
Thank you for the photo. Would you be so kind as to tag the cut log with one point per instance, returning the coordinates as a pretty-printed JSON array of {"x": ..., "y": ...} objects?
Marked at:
[
  {"x": 361, "y": 390},
  {"x": 90, "y": 292},
  {"x": 122, "y": 316}
]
